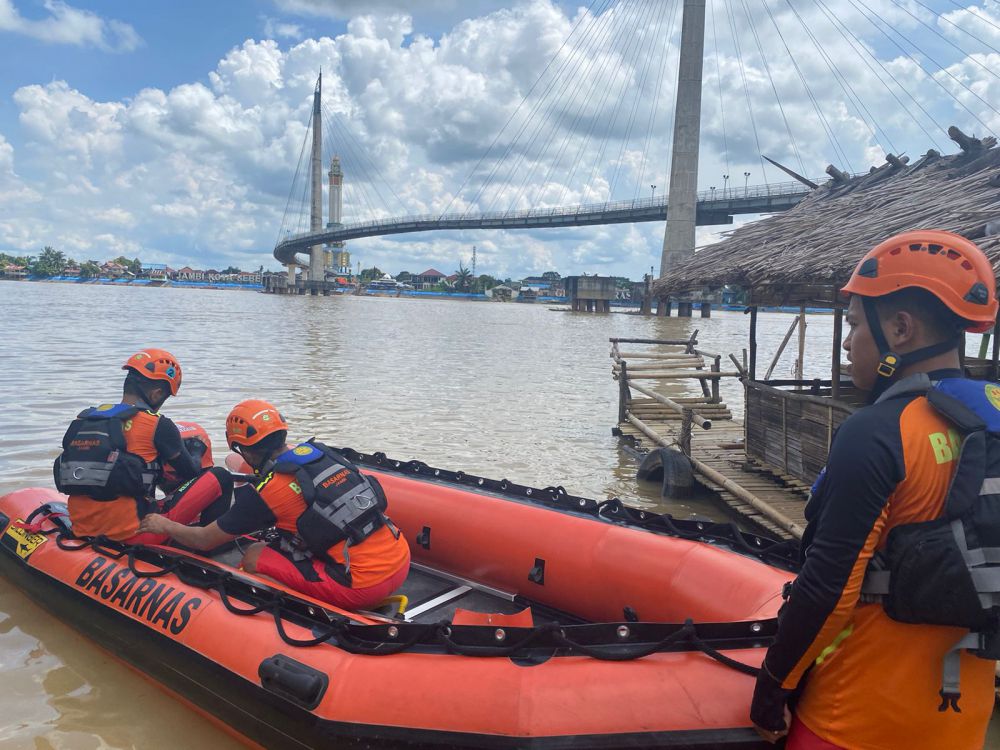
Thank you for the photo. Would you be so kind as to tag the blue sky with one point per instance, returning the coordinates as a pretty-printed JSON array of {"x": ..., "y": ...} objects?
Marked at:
[{"x": 172, "y": 131}]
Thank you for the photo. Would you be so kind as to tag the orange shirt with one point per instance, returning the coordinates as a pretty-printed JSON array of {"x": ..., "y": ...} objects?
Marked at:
[
  {"x": 119, "y": 518},
  {"x": 874, "y": 681},
  {"x": 372, "y": 561}
]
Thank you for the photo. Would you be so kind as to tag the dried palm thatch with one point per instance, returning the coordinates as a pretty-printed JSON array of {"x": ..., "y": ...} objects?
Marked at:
[{"x": 804, "y": 255}]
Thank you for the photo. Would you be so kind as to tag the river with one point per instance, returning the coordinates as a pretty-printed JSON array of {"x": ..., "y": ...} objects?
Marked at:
[{"x": 502, "y": 390}]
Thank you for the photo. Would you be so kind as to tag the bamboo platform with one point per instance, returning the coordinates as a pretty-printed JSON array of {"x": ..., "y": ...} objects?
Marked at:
[{"x": 703, "y": 427}]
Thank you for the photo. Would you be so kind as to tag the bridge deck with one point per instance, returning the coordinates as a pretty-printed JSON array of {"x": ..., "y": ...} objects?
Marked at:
[{"x": 713, "y": 207}]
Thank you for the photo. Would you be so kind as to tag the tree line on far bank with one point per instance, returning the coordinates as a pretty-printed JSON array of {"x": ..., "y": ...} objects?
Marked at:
[{"x": 51, "y": 262}]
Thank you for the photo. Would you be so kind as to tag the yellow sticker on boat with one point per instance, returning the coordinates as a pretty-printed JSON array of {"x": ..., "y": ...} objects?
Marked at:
[{"x": 25, "y": 541}]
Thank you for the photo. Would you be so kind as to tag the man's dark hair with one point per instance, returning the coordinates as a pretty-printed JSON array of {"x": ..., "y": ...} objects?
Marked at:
[
  {"x": 272, "y": 442},
  {"x": 941, "y": 323},
  {"x": 139, "y": 385}
]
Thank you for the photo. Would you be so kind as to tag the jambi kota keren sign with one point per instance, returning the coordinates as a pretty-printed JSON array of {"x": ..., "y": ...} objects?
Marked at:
[{"x": 156, "y": 602}]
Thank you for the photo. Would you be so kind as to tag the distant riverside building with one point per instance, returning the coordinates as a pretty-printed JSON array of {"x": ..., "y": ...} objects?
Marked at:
[
  {"x": 11, "y": 271},
  {"x": 428, "y": 279},
  {"x": 156, "y": 271}
]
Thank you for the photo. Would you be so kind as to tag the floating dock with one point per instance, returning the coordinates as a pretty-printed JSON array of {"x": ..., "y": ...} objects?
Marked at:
[{"x": 703, "y": 429}]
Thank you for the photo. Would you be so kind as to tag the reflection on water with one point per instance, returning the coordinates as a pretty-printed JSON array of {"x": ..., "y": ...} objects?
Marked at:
[{"x": 510, "y": 391}]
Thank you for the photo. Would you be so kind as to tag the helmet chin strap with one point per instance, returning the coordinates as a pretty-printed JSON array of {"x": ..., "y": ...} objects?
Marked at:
[{"x": 889, "y": 362}]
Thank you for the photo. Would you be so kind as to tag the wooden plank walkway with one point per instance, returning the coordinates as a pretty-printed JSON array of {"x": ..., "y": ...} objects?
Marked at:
[{"x": 774, "y": 503}]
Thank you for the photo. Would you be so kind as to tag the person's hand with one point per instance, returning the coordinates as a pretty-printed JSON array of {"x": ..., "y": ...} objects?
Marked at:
[
  {"x": 769, "y": 710},
  {"x": 154, "y": 523},
  {"x": 195, "y": 447}
]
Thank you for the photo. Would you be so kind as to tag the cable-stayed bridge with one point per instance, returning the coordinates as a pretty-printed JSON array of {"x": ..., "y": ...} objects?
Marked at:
[
  {"x": 591, "y": 122},
  {"x": 712, "y": 208}
]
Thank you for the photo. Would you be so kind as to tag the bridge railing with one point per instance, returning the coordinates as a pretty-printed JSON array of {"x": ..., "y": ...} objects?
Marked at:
[{"x": 705, "y": 198}]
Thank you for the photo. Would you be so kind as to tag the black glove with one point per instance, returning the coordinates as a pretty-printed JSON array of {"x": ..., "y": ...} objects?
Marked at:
[
  {"x": 769, "y": 699},
  {"x": 195, "y": 447}
]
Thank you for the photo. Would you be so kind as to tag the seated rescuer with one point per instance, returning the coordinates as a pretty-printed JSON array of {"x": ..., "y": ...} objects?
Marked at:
[
  {"x": 332, "y": 538},
  {"x": 114, "y": 456},
  {"x": 871, "y": 668}
]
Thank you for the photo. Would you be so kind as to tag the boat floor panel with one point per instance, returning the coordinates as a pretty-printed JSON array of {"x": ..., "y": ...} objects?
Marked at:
[{"x": 445, "y": 594}]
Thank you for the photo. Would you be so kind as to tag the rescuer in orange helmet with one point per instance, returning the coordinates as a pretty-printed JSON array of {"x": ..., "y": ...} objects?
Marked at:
[
  {"x": 114, "y": 456},
  {"x": 870, "y": 641},
  {"x": 332, "y": 539}
]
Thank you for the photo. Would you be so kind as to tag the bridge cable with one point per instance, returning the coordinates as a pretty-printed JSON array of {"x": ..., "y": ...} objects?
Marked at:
[
  {"x": 984, "y": 19},
  {"x": 845, "y": 84},
  {"x": 857, "y": 45},
  {"x": 947, "y": 40},
  {"x": 565, "y": 96},
  {"x": 572, "y": 129},
  {"x": 831, "y": 134},
  {"x": 874, "y": 20},
  {"x": 718, "y": 78},
  {"x": 364, "y": 179},
  {"x": 767, "y": 69},
  {"x": 598, "y": 166},
  {"x": 531, "y": 121},
  {"x": 303, "y": 202},
  {"x": 640, "y": 184},
  {"x": 355, "y": 192},
  {"x": 339, "y": 122},
  {"x": 569, "y": 95},
  {"x": 517, "y": 109},
  {"x": 654, "y": 35},
  {"x": 746, "y": 87},
  {"x": 291, "y": 192}
]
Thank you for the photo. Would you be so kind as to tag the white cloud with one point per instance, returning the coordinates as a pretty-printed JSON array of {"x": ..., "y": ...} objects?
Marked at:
[
  {"x": 201, "y": 172},
  {"x": 68, "y": 25},
  {"x": 274, "y": 28}
]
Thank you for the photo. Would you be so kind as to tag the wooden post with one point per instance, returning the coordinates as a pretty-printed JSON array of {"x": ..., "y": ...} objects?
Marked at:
[
  {"x": 838, "y": 319},
  {"x": 623, "y": 393},
  {"x": 800, "y": 365},
  {"x": 686, "y": 433},
  {"x": 753, "y": 342},
  {"x": 784, "y": 434},
  {"x": 692, "y": 342},
  {"x": 716, "y": 367},
  {"x": 781, "y": 348}
]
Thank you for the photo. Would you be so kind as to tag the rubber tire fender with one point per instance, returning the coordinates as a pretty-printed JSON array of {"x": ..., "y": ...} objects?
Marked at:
[{"x": 672, "y": 467}]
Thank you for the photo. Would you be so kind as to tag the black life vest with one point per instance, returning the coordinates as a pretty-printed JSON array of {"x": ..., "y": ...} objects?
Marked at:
[
  {"x": 95, "y": 460},
  {"x": 342, "y": 504},
  {"x": 947, "y": 571}
]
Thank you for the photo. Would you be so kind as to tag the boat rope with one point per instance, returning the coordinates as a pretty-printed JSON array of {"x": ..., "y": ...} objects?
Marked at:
[
  {"x": 606, "y": 641},
  {"x": 779, "y": 553}
]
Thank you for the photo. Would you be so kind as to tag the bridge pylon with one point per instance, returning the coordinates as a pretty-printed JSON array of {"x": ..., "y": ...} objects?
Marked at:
[{"x": 679, "y": 235}]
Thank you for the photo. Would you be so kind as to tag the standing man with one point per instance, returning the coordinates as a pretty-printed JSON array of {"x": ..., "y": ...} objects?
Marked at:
[
  {"x": 862, "y": 679},
  {"x": 331, "y": 539},
  {"x": 114, "y": 455}
]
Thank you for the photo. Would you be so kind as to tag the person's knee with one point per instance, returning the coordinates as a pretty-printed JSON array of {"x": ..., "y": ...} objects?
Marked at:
[{"x": 251, "y": 556}]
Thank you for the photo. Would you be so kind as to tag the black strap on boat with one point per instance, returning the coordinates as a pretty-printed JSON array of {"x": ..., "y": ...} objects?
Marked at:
[
  {"x": 780, "y": 553},
  {"x": 604, "y": 641}
]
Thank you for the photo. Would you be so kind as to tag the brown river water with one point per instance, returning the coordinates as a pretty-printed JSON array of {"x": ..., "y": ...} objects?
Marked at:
[{"x": 501, "y": 390}]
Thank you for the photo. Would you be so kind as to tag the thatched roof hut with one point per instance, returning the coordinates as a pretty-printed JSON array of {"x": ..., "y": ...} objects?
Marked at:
[{"x": 802, "y": 256}]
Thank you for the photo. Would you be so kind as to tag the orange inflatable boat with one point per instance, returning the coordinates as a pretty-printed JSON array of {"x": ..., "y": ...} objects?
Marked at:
[{"x": 533, "y": 619}]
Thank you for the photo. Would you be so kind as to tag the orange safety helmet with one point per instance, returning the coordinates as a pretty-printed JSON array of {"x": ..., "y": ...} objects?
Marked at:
[
  {"x": 947, "y": 265},
  {"x": 251, "y": 421},
  {"x": 190, "y": 432},
  {"x": 156, "y": 364}
]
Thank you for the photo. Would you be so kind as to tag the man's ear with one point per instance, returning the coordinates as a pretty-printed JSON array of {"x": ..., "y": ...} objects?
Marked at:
[{"x": 904, "y": 327}]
